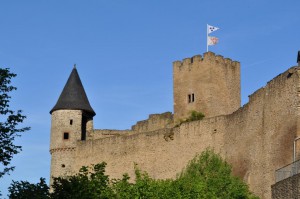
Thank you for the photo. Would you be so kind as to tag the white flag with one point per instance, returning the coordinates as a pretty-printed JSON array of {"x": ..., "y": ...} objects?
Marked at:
[
  {"x": 212, "y": 41},
  {"x": 211, "y": 29}
]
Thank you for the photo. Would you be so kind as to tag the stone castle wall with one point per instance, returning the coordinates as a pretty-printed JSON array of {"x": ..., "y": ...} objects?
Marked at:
[
  {"x": 104, "y": 133},
  {"x": 256, "y": 139},
  {"x": 162, "y": 153},
  {"x": 210, "y": 85},
  {"x": 154, "y": 122},
  {"x": 260, "y": 135}
]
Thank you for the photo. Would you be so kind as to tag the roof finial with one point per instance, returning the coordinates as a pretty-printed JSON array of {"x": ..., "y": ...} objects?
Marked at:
[{"x": 74, "y": 66}]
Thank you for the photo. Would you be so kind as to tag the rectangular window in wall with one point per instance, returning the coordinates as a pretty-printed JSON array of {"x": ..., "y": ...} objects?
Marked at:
[
  {"x": 191, "y": 98},
  {"x": 66, "y": 136},
  {"x": 83, "y": 128}
]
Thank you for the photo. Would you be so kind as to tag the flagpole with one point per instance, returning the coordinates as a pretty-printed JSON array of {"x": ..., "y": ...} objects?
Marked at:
[{"x": 206, "y": 37}]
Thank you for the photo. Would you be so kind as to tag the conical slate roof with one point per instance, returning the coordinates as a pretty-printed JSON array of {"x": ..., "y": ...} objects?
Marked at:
[
  {"x": 73, "y": 96},
  {"x": 298, "y": 58}
]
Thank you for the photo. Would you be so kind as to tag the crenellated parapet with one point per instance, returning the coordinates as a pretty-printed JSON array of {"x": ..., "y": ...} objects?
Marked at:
[
  {"x": 198, "y": 60},
  {"x": 209, "y": 84},
  {"x": 154, "y": 122}
]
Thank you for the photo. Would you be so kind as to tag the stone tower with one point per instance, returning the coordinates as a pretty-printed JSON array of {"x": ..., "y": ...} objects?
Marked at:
[
  {"x": 71, "y": 122},
  {"x": 210, "y": 85}
]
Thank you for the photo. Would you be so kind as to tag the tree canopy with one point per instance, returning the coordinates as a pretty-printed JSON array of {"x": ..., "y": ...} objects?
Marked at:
[
  {"x": 26, "y": 190},
  {"x": 207, "y": 176},
  {"x": 9, "y": 122}
]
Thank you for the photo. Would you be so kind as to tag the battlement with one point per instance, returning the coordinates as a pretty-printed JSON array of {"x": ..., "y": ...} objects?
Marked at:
[
  {"x": 208, "y": 84},
  {"x": 154, "y": 122},
  {"x": 209, "y": 57},
  {"x": 275, "y": 84}
]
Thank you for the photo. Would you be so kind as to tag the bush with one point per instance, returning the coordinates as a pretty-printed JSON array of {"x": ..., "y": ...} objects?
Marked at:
[
  {"x": 194, "y": 116},
  {"x": 207, "y": 176}
]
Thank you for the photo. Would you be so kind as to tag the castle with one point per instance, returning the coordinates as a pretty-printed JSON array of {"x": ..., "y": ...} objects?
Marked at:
[{"x": 256, "y": 138}]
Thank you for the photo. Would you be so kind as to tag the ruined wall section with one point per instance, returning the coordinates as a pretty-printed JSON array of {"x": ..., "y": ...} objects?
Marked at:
[
  {"x": 210, "y": 85},
  {"x": 154, "y": 122}
]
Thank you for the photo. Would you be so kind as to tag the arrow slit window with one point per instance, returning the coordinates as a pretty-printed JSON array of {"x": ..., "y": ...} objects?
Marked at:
[{"x": 191, "y": 98}]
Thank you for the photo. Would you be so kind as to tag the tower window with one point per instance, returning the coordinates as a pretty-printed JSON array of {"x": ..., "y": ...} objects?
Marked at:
[
  {"x": 191, "y": 98},
  {"x": 63, "y": 166},
  {"x": 71, "y": 122},
  {"x": 66, "y": 136},
  {"x": 83, "y": 128}
]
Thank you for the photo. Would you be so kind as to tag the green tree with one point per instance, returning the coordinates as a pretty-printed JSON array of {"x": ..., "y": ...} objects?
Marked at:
[
  {"x": 206, "y": 176},
  {"x": 89, "y": 183},
  {"x": 209, "y": 176},
  {"x": 26, "y": 190},
  {"x": 143, "y": 187},
  {"x": 9, "y": 122}
]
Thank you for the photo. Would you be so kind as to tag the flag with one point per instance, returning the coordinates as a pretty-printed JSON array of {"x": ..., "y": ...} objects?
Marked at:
[
  {"x": 211, "y": 29},
  {"x": 212, "y": 41}
]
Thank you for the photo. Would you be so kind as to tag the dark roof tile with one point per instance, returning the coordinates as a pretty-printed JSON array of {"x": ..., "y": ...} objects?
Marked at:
[{"x": 73, "y": 96}]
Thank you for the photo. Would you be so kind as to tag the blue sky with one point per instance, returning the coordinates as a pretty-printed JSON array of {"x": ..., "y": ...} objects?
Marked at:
[{"x": 124, "y": 51}]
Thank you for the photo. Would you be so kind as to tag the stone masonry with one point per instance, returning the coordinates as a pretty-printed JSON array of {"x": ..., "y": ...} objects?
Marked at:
[
  {"x": 256, "y": 138},
  {"x": 210, "y": 85},
  {"x": 287, "y": 189}
]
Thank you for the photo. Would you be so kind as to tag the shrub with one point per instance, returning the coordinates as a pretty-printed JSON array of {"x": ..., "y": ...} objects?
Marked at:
[{"x": 194, "y": 116}]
